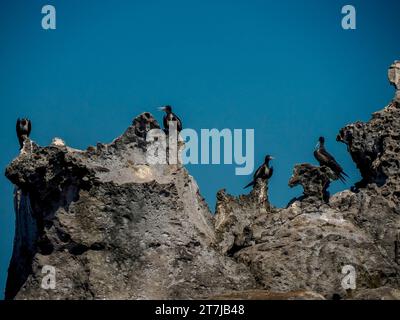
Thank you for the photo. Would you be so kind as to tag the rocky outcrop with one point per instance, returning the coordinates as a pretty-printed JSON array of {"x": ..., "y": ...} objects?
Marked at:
[
  {"x": 374, "y": 147},
  {"x": 306, "y": 245},
  {"x": 115, "y": 227},
  {"x": 112, "y": 226},
  {"x": 314, "y": 180}
]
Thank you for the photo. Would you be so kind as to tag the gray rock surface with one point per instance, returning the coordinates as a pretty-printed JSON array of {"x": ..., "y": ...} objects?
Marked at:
[
  {"x": 314, "y": 180},
  {"x": 234, "y": 215},
  {"x": 305, "y": 247},
  {"x": 113, "y": 227},
  {"x": 117, "y": 228},
  {"x": 268, "y": 295}
]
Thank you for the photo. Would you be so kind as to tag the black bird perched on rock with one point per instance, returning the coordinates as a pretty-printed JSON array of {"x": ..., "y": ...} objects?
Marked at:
[
  {"x": 263, "y": 172},
  {"x": 171, "y": 117},
  {"x": 24, "y": 127},
  {"x": 325, "y": 159}
]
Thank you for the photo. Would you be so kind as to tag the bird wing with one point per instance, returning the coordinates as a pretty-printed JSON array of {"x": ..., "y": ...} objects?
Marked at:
[
  {"x": 257, "y": 174},
  {"x": 316, "y": 156},
  {"x": 326, "y": 155},
  {"x": 178, "y": 122},
  {"x": 330, "y": 159},
  {"x": 165, "y": 121},
  {"x": 322, "y": 157},
  {"x": 249, "y": 185},
  {"x": 271, "y": 172}
]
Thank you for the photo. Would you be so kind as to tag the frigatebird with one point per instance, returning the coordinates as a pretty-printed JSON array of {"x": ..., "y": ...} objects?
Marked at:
[
  {"x": 263, "y": 172},
  {"x": 326, "y": 159}
]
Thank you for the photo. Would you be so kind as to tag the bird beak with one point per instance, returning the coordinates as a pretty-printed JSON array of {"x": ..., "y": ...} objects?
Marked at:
[
  {"x": 161, "y": 108},
  {"x": 271, "y": 158}
]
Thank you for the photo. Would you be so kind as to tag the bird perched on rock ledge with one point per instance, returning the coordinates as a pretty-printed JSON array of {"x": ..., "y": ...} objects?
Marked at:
[
  {"x": 263, "y": 172},
  {"x": 170, "y": 117},
  {"x": 24, "y": 127},
  {"x": 325, "y": 159}
]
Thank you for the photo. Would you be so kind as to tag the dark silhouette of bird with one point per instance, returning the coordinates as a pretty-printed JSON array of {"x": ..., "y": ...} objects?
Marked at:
[
  {"x": 263, "y": 172},
  {"x": 325, "y": 159},
  {"x": 170, "y": 117},
  {"x": 24, "y": 127}
]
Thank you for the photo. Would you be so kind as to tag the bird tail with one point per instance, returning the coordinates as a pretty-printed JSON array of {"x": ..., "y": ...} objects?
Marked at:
[{"x": 249, "y": 185}]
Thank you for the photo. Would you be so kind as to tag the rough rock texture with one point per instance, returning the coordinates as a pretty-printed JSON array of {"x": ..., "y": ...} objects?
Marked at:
[
  {"x": 234, "y": 215},
  {"x": 113, "y": 227},
  {"x": 394, "y": 78},
  {"x": 306, "y": 245},
  {"x": 374, "y": 147},
  {"x": 117, "y": 228},
  {"x": 267, "y": 295}
]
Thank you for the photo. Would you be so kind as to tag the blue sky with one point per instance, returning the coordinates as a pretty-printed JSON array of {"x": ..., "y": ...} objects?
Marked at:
[{"x": 285, "y": 68}]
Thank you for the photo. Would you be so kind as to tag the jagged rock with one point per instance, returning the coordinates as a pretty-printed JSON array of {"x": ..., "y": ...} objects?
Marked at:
[
  {"x": 234, "y": 215},
  {"x": 383, "y": 293},
  {"x": 306, "y": 245},
  {"x": 374, "y": 147},
  {"x": 394, "y": 78},
  {"x": 267, "y": 295},
  {"x": 314, "y": 180},
  {"x": 113, "y": 227}
]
